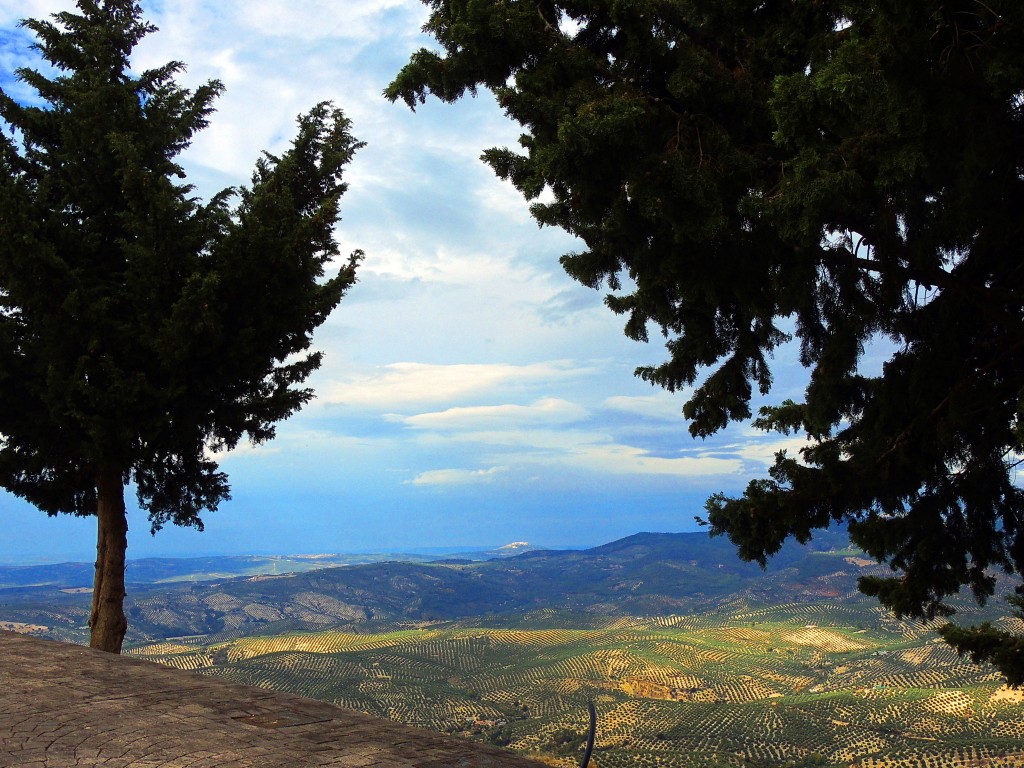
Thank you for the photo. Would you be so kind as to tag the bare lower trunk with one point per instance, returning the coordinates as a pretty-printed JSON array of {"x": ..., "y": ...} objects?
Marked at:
[{"x": 107, "y": 621}]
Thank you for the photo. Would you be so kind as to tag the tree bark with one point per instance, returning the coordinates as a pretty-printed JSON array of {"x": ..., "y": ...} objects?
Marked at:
[{"x": 107, "y": 620}]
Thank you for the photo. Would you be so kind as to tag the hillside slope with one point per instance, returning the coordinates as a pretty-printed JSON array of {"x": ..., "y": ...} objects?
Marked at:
[{"x": 646, "y": 574}]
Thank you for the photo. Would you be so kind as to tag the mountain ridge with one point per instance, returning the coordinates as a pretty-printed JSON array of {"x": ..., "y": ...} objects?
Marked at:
[{"x": 643, "y": 574}]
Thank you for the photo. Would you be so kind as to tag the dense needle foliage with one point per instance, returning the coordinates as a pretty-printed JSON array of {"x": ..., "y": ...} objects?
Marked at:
[
  {"x": 139, "y": 328},
  {"x": 841, "y": 171}
]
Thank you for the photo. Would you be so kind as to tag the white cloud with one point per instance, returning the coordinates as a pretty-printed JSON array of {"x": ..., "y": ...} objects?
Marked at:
[
  {"x": 503, "y": 199},
  {"x": 455, "y": 476},
  {"x": 534, "y": 441},
  {"x": 13, "y": 11},
  {"x": 293, "y": 441},
  {"x": 627, "y": 460},
  {"x": 661, "y": 405},
  {"x": 763, "y": 449},
  {"x": 311, "y": 20},
  {"x": 546, "y": 411},
  {"x": 588, "y": 450},
  {"x": 276, "y": 61},
  {"x": 405, "y": 383},
  {"x": 444, "y": 265}
]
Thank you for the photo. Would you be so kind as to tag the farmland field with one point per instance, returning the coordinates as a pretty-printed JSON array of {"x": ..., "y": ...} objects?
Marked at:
[{"x": 807, "y": 684}]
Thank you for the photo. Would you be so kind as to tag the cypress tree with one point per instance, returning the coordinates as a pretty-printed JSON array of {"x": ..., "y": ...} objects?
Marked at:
[
  {"x": 839, "y": 172},
  {"x": 142, "y": 330}
]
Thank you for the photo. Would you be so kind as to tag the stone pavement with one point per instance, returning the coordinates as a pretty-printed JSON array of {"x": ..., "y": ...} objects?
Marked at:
[{"x": 64, "y": 705}]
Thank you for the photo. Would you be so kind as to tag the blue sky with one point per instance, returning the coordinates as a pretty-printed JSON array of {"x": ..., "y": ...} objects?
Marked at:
[{"x": 471, "y": 393}]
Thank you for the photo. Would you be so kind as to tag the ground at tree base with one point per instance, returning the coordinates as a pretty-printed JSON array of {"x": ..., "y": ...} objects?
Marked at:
[{"x": 63, "y": 705}]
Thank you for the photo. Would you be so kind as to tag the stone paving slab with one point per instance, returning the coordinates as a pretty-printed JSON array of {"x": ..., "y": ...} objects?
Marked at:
[{"x": 64, "y": 705}]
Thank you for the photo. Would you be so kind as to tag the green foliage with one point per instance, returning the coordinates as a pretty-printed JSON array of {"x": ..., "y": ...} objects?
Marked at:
[
  {"x": 841, "y": 171},
  {"x": 987, "y": 643},
  {"x": 499, "y": 735},
  {"x": 140, "y": 328},
  {"x": 564, "y": 742},
  {"x": 813, "y": 760}
]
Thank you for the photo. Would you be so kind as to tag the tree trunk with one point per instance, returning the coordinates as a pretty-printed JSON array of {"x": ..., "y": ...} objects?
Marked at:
[{"x": 107, "y": 621}]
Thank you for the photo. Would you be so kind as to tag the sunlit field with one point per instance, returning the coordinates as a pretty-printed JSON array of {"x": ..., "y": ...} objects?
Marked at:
[{"x": 800, "y": 684}]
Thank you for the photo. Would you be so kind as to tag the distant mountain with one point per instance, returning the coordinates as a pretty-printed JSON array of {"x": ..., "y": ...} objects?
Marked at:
[
  {"x": 508, "y": 550},
  {"x": 154, "y": 570},
  {"x": 645, "y": 574},
  {"x": 518, "y": 545},
  {"x": 57, "y": 575}
]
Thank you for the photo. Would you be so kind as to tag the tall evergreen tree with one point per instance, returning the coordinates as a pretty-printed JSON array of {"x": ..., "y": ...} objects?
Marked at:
[
  {"x": 841, "y": 171},
  {"x": 141, "y": 330}
]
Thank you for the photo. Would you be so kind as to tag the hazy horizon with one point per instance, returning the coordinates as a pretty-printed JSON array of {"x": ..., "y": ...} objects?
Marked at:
[{"x": 8, "y": 561}]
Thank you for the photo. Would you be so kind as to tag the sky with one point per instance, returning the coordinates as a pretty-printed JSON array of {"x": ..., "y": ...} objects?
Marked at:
[{"x": 471, "y": 394}]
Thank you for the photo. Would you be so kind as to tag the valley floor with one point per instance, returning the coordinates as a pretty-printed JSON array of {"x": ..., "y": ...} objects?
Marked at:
[{"x": 815, "y": 684}]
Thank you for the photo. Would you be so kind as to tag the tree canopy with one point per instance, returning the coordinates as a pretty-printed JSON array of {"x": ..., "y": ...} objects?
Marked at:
[
  {"x": 142, "y": 330},
  {"x": 843, "y": 173}
]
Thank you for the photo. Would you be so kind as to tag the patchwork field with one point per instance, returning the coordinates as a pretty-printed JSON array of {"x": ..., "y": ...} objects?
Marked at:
[{"x": 805, "y": 684}]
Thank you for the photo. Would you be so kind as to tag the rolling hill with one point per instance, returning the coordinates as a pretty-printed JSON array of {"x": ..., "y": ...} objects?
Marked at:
[
  {"x": 646, "y": 574},
  {"x": 694, "y": 658}
]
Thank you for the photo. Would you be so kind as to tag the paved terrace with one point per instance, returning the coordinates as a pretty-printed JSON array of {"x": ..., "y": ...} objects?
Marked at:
[{"x": 64, "y": 705}]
